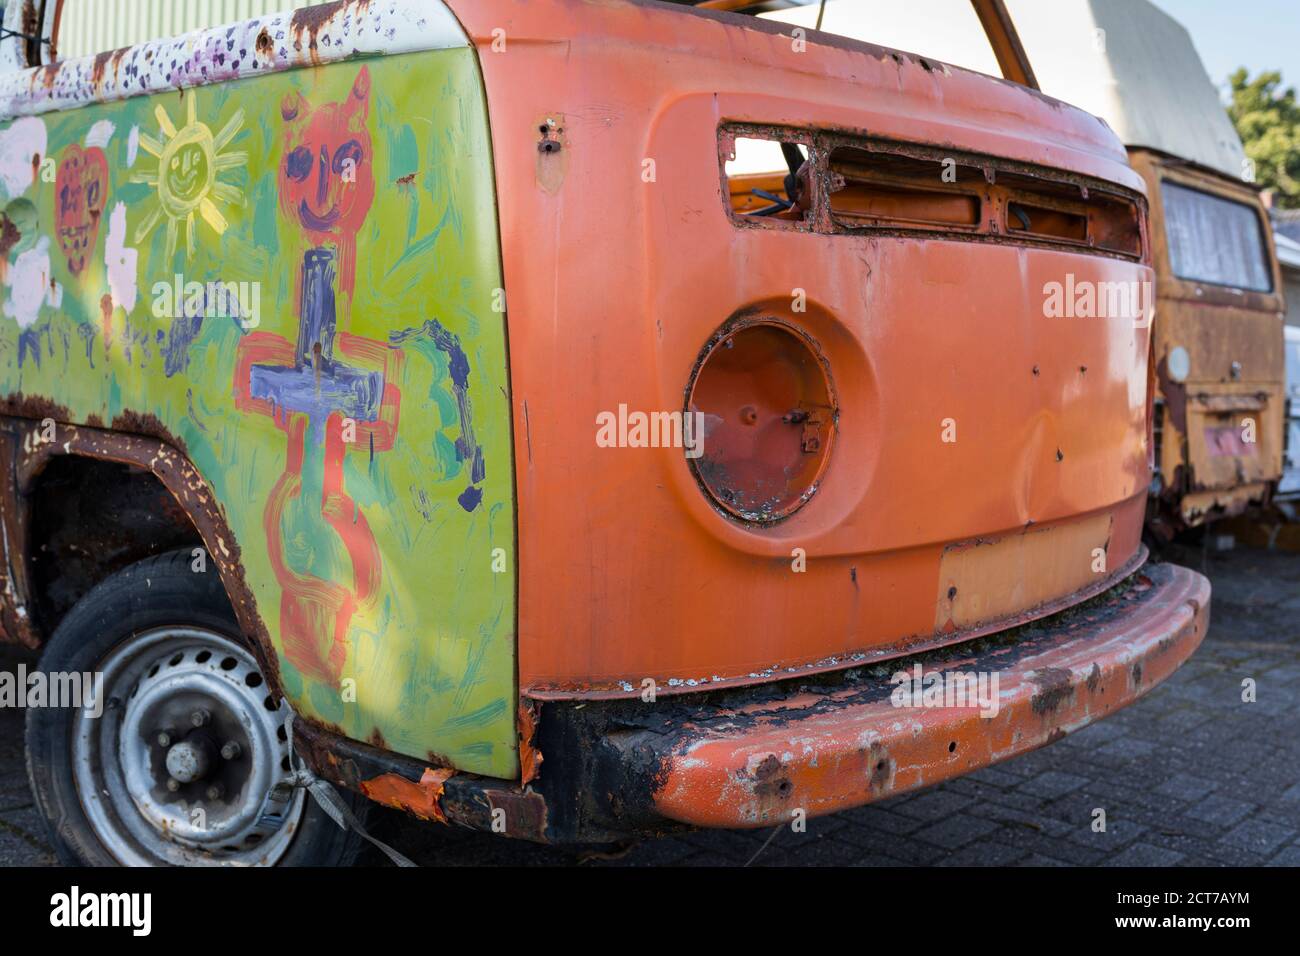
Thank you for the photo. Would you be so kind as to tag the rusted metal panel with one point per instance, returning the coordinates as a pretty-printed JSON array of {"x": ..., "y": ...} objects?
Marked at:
[
  {"x": 823, "y": 753},
  {"x": 25, "y": 454},
  {"x": 915, "y": 331},
  {"x": 434, "y": 794},
  {"x": 1222, "y": 418}
]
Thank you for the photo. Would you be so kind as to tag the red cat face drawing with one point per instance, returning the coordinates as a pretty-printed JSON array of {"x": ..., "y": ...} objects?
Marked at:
[
  {"x": 326, "y": 179},
  {"x": 81, "y": 187}
]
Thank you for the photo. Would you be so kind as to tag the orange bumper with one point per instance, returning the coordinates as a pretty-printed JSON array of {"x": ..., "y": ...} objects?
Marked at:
[{"x": 828, "y": 749}]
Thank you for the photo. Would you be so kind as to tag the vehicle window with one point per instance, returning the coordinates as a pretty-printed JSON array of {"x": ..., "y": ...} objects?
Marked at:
[
  {"x": 761, "y": 176},
  {"x": 1215, "y": 240},
  {"x": 947, "y": 30},
  {"x": 87, "y": 27}
]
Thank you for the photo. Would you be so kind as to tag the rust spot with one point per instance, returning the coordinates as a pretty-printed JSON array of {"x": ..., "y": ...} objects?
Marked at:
[
  {"x": 406, "y": 180},
  {"x": 376, "y": 739},
  {"x": 422, "y": 799},
  {"x": 1094, "y": 678},
  {"x": 106, "y": 321},
  {"x": 264, "y": 44},
  {"x": 882, "y": 768},
  {"x": 552, "y": 158},
  {"x": 1054, "y": 686},
  {"x": 9, "y": 237},
  {"x": 1137, "y": 674},
  {"x": 530, "y": 758},
  {"x": 1056, "y": 734},
  {"x": 525, "y": 813},
  {"x": 34, "y": 406},
  {"x": 31, "y": 19},
  {"x": 97, "y": 71},
  {"x": 311, "y": 20}
]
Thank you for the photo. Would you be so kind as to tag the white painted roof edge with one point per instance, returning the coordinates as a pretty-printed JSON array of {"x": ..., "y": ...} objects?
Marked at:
[{"x": 268, "y": 44}]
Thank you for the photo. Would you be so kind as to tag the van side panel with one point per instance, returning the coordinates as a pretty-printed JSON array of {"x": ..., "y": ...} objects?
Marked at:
[{"x": 295, "y": 278}]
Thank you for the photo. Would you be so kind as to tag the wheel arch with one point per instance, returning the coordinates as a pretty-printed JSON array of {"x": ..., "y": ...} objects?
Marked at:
[{"x": 32, "y": 451}]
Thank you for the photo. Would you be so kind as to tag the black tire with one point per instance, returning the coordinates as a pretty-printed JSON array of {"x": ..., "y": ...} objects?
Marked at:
[{"x": 162, "y": 591}]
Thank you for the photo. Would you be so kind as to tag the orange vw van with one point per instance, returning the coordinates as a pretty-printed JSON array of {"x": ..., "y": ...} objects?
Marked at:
[{"x": 560, "y": 475}]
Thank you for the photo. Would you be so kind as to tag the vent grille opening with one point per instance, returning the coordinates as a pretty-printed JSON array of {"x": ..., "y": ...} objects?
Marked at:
[{"x": 834, "y": 183}]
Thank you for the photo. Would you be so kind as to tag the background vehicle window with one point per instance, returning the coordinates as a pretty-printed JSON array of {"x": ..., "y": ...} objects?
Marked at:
[
  {"x": 87, "y": 27},
  {"x": 1215, "y": 240}
]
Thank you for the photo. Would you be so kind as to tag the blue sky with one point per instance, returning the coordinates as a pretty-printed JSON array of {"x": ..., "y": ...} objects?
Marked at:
[{"x": 1256, "y": 34}]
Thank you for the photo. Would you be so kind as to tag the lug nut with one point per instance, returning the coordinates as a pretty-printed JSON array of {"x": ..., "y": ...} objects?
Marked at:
[
  {"x": 200, "y": 717},
  {"x": 164, "y": 739},
  {"x": 173, "y": 784},
  {"x": 231, "y": 750},
  {"x": 216, "y": 791}
]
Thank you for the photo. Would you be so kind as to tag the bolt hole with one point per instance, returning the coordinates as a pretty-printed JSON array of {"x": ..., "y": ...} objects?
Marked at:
[
  {"x": 203, "y": 657},
  {"x": 229, "y": 664},
  {"x": 176, "y": 660},
  {"x": 952, "y": 747},
  {"x": 280, "y": 732},
  {"x": 153, "y": 671},
  {"x": 271, "y": 703},
  {"x": 253, "y": 679},
  {"x": 285, "y": 765}
]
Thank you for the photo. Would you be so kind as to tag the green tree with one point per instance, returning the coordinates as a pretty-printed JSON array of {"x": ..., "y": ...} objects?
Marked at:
[{"x": 1267, "y": 118}]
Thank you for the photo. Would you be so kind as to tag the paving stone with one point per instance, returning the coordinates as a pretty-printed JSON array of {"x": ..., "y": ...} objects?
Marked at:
[
  {"x": 1220, "y": 810},
  {"x": 1145, "y": 854}
]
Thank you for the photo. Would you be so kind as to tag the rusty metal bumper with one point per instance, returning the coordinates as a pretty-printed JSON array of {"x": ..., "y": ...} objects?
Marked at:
[
  {"x": 824, "y": 750},
  {"x": 604, "y": 770}
]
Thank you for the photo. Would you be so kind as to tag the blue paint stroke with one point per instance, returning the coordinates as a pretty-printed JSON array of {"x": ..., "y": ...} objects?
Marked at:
[
  {"x": 467, "y": 448},
  {"x": 316, "y": 384}
]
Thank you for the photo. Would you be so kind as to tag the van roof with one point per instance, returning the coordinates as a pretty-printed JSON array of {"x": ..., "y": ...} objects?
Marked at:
[{"x": 1141, "y": 74}]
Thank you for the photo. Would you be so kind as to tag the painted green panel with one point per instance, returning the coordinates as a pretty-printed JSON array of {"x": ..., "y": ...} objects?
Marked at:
[{"x": 345, "y": 393}]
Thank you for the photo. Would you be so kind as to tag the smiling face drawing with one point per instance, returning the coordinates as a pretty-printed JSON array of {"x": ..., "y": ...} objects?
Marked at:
[
  {"x": 190, "y": 160},
  {"x": 326, "y": 180},
  {"x": 81, "y": 184}
]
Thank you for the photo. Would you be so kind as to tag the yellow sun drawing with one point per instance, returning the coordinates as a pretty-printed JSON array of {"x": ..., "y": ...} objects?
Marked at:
[{"x": 189, "y": 160}]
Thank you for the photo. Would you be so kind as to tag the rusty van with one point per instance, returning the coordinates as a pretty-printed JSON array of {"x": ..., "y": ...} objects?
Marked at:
[
  {"x": 401, "y": 397},
  {"x": 1217, "y": 344}
]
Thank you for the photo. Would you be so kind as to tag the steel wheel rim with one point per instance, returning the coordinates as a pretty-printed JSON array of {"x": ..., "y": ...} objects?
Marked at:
[{"x": 224, "y": 805}]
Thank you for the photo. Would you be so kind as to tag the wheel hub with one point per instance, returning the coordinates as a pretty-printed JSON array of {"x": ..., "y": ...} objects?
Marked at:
[{"x": 190, "y": 762}]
